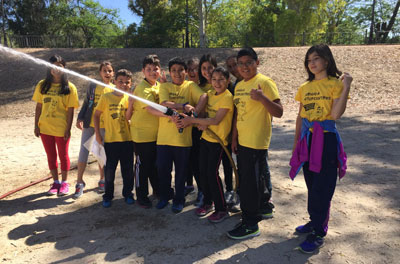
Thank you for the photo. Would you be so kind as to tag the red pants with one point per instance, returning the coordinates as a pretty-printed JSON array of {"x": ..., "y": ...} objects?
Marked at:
[{"x": 49, "y": 143}]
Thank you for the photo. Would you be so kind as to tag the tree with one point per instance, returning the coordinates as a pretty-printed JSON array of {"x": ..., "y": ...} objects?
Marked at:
[
  {"x": 94, "y": 21},
  {"x": 163, "y": 23},
  {"x": 28, "y": 17},
  {"x": 391, "y": 22},
  {"x": 371, "y": 29},
  {"x": 3, "y": 26}
]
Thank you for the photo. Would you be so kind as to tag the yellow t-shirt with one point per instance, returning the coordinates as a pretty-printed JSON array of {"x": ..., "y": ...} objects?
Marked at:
[
  {"x": 253, "y": 119},
  {"x": 215, "y": 102},
  {"x": 144, "y": 126},
  {"x": 187, "y": 92},
  {"x": 115, "y": 123},
  {"x": 53, "y": 119},
  {"x": 317, "y": 98},
  {"x": 98, "y": 92},
  {"x": 207, "y": 87}
]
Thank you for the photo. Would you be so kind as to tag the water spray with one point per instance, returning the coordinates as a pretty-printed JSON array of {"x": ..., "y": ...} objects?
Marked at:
[{"x": 163, "y": 109}]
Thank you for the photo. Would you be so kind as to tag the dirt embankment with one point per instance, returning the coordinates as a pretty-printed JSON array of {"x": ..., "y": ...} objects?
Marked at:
[{"x": 365, "y": 215}]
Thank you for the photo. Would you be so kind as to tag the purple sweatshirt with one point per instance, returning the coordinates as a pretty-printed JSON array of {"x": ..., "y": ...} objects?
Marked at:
[{"x": 301, "y": 155}]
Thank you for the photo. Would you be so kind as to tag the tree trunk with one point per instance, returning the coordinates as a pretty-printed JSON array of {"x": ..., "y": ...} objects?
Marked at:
[
  {"x": 3, "y": 14},
  {"x": 201, "y": 24},
  {"x": 372, "y": 27},
  {"x": 391, "y": 22},
  {"x": 187, "y": 25}
]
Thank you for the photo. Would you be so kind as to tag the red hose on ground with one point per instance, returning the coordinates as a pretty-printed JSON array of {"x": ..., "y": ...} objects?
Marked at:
[{"x": 35, "y": 182}]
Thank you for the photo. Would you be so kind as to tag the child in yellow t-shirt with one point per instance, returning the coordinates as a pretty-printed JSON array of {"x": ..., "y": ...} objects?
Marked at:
[
  {"x": 55, "y": 99},
  {"x": 219, "y": 120},
  {"x": 118, "y": 143},
  {"x": 317, "y": 146},
  {"x": 144, "y": 128},
  {"x": 85, "y": 122},
  {"x": 257, "y": 100},
  {"x": 173, "y": 146},
  {"x": 205, "y": 67}
]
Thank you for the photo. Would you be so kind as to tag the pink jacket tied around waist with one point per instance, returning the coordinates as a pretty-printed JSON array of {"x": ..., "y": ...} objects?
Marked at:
[{"x": 301, "y": 155}]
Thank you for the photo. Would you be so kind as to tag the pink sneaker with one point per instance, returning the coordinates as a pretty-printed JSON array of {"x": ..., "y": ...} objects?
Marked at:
[
  {"x": 218, "y": 217},
  {"x": 64, "y": 189},
  {"x": 54, "y": 188},
  {"x": 204, "y": 209}
]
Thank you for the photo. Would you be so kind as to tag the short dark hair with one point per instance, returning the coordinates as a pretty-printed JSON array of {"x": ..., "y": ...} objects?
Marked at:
[
  {"x": 223, "y": 71},
  {"x": 152, "y": 60},
  {"x": 324, "y": 52},
  {"x": 123, "y": 72},
  {"x": 247, "y": 52},
  {"x": 177, "y": 60},
  {"x": 105, "y": 63}
]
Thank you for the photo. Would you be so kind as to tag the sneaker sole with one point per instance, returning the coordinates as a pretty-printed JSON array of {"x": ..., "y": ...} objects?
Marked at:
[
  {"x": 144, "y": 206},
  {"x": 51, "y": 194},
  {"x": 219, "y": 220},
  {"x": 310, "y": 252},
  {"x": 62, "y": 194},
  {"x": 77, "y": 195},
  {"x": 257, "y": 233},
  {"x": 268, "y": 216},
  {"x": 204, "y": 214}
]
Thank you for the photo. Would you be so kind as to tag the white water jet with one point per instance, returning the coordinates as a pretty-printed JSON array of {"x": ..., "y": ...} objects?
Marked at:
[{"x": 22, "y": 55}]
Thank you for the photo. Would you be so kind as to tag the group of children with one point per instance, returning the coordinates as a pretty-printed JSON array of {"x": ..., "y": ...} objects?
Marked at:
[{"x": 210, "y": 113}]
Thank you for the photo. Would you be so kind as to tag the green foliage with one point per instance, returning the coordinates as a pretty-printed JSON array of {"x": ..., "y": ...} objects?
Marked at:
[
  {"x": 162, "y": 24},
  {"x": 228, "y": 23},
  {"x": 86, "y": 23}
]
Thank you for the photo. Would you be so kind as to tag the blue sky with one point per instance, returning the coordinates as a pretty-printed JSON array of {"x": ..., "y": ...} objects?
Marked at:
[{"x": 124, "y": 12}]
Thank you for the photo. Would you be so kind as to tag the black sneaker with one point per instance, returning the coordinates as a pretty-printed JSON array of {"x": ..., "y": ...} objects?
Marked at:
[
  {"x": 267, "y": 213},
  {"x": 243, "y": 231},
  {"x": 145, "y": 203}
]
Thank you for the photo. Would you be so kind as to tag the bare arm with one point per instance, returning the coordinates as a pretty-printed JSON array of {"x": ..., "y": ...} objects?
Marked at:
[
  {"x": 96, "y": 120},
  {"x": 70, "y": 118},
  {"x": 38, "y": 112},
  {"x": 188, "y": 120},
  {"x": 234, "y": 133},
  {"x": 298, "y": 128},
  {"x": 129, "y": 110},
  {"x": 339, "y": 104},
  {"x": 154, "y": 112},
  {"x": 274, "y": 107},
  {"x": 173, "y": 105},
  {"x": 201, "y": 104}
]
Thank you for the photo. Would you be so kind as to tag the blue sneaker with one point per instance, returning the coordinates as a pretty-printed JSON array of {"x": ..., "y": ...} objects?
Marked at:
[
  {"x": 199, "y": 199},
  {"x": 304, "y": 229},
  {"x": 161, "y": 204},
  {"x": 129, "y": 200},
  {"x": 311, "y": 244},
  {"x": 106, "y": 204},
  {"x": 177, "y": 207}
]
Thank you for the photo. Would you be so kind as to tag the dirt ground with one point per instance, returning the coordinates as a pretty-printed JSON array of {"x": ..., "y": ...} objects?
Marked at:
[{"x": 365, "y": 213}]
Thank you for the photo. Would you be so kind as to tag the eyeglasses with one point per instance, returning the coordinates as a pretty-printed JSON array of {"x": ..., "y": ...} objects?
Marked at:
[{"x": 247, "y": 64}]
